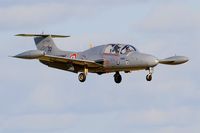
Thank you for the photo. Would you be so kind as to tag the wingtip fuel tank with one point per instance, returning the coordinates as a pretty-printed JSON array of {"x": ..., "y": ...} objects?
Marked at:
[
  {"x": 31, "y": 54},
  {"x": 174, "y": 60}
]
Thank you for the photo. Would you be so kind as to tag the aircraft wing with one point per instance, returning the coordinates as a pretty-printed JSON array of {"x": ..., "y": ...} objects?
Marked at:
[{"x": 80, "y": 62}]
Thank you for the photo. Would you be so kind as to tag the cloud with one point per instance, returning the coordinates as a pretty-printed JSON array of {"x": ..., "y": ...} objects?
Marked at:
[
  {"x": 23, "y": 15},
  {"x": 38, "y": 121},
  {"x": 172, "y": 17},
  {"x": 45, "y": 97},
  {"x": 36, "y": 15},
  {"x": 41, "y": 99},
  {"x": 76, "y": 2},
  {"x": 127, "y": 120},
  {"x": 178, "y": 116}
]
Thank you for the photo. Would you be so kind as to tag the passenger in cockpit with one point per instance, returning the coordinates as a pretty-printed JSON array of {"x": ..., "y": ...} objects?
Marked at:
[{"x": 128, "y": 49}]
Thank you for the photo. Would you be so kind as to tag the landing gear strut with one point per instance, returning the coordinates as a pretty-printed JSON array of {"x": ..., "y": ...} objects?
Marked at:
[
  {"x": 149, "y": 76},
  {"x": 117, "y": 78}
]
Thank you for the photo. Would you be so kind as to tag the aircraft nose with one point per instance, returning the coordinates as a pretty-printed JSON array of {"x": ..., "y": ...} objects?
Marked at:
[{"x": 151, "y": 60}]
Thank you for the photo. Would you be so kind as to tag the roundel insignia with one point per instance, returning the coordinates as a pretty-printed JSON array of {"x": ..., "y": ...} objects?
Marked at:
[{"x": 73, "y": 56}]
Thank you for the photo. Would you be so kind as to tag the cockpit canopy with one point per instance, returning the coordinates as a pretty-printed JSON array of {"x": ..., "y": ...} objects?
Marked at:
[{"x": 119, "y": 49}]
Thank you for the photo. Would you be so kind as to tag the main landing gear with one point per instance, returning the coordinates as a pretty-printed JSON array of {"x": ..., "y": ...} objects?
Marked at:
[
  {"x": 149, "y": 76},
  {"x": 117, "y": 77},
  {"x": 82, "y": 76}
]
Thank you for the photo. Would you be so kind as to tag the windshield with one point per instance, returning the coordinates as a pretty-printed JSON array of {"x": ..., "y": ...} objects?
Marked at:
[{"x": 126, "y": 49}]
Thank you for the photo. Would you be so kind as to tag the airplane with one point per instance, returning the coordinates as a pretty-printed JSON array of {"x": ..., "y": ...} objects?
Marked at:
[{"x": 109, "y": 58}]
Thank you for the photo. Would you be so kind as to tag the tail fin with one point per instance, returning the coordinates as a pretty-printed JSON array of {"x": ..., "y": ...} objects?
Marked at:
[{"x": 44, "y": 42}]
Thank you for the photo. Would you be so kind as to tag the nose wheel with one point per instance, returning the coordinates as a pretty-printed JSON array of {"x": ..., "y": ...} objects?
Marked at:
[
  {"x": 117, "y": 78},
  {"x": 149, "y": 76}
]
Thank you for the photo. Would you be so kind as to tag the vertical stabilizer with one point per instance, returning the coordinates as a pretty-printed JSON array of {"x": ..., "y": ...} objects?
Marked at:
[{"x": 44, "y": 42}]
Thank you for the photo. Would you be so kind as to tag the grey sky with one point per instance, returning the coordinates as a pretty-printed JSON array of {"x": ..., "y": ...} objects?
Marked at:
[{"x": 38, "y": 99}]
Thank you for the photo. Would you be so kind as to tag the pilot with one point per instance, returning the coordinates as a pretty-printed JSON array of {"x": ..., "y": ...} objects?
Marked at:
[
  {"x": 127, "y": 50},
  {"x": 116, "y": 49}
]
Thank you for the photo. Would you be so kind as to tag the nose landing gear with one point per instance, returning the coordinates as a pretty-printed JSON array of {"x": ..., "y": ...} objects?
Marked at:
[
  {"x": 117, "y": 78},
  {"x": 149, "y": 76}
]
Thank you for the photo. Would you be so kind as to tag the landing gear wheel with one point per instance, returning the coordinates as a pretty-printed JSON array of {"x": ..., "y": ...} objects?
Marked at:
[
  {"x": 149, "y": 77},
  {"x": 117, "y": 78},
  {"x": 82, "y": 77}
]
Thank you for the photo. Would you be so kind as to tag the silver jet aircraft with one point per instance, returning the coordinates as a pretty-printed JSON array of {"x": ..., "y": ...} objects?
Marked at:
[{"x": 110, "y": 58}]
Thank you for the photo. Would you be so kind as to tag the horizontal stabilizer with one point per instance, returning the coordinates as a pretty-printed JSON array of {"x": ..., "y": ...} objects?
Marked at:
[
  {"x": 174, "y": 60},
  {"x": 42, "y": 35}
]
